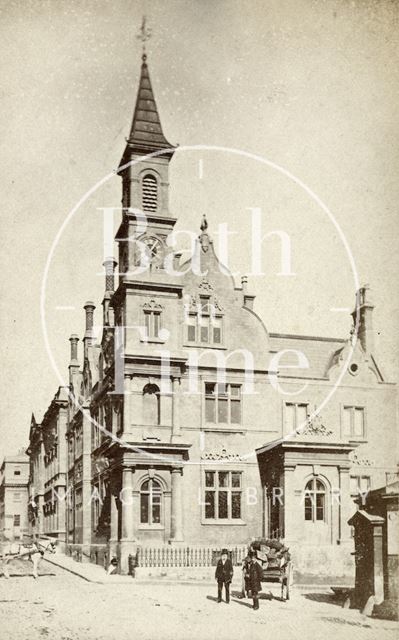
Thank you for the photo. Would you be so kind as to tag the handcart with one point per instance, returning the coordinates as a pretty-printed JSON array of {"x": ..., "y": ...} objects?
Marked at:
[{"x": 275, "y": 560}]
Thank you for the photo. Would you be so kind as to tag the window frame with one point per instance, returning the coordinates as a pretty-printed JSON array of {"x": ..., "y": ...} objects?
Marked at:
[
  {"x": 152, "y": 311},
  {"x": 150, "y": 493},
  {"x": 217, "y": 489},
  {"x": 203, "y": 315},
  {"x": 352, "y": 408},
  {"x": 296, "y": 422},
  {"x": 313, "y": 493},
  {"x": 155, "y": 390},
  {"x": 231, "y": 400}
]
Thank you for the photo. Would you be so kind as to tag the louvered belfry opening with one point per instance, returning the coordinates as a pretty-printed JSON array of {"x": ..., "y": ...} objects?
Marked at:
[{"x": 150, "y": 193}]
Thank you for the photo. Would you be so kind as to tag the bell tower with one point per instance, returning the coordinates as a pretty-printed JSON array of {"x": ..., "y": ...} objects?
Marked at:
[
  {"x": 144, "y": 169},
  {"x": 145, "y": 180}
]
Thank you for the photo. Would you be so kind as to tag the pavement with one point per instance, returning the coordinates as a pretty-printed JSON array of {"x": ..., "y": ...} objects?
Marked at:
[
  {"x": 96, "y": 573},
  {"x": 62, "y": 606}
]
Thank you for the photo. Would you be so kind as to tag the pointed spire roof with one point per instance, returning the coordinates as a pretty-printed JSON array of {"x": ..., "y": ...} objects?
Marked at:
[{"x": 146, "y": 133}]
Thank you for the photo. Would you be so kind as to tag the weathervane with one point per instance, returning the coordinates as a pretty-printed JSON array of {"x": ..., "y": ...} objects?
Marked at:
[{"x": 144, "y": 35}]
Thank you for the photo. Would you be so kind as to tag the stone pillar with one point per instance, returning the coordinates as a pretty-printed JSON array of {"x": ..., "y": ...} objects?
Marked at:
[
  {"x": 127, "y": 504},
  {"x": 176, "y": 528},
  {"x": 113, "y": 519},
  {"x": 175, "y": 408},
  {"x": 266, "y": 515},
  {"x": 113, "y": 537},
  {"x": 289, "y": 504},
  {"x": 127, "y": 413},
  {"x": 127, "y": 544},
  {"x": 346, "y": 507}
]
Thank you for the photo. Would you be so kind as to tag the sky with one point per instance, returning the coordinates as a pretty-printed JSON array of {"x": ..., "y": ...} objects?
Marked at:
[{"x": 304, "y": 87}]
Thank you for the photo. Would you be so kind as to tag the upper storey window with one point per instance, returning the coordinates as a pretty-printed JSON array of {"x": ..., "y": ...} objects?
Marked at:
[
  {"x": 152, "y": 319},
  {"x": 295, "y": 415},
  {"x": 353, "y": 422},
  {"x": 204, "y": 323},
  {"x": 149, "y": 193}
]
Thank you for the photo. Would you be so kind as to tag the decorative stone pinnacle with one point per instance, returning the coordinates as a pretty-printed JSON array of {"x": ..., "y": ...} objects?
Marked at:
[{"x": 204, "y": 224}]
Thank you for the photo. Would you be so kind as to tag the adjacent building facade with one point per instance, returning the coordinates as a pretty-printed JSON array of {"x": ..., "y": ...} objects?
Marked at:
[
  {"x": 174, "y": 431},
  {"x": 48, "y": 468},
  {"x": 14, "y": 474}
]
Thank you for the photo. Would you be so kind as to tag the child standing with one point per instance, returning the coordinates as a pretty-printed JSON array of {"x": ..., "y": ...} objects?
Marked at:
[{"x": 224, "y": 575}]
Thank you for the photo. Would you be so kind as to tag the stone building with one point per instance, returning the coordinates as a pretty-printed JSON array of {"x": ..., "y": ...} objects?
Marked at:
[
  {"x": 47, "y": 470},
  {"x": 14, "y": 473},
  {"x": 177, "y": 433}
]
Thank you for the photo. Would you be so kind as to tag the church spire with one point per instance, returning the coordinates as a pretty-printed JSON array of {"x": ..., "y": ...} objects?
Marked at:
[
  {"x": 146, "y": 133},
  {"x": 145, "y": 180}
]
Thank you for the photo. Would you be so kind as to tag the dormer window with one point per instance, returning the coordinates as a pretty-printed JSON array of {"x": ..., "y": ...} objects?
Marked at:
[{"x": 149, "y": 193}]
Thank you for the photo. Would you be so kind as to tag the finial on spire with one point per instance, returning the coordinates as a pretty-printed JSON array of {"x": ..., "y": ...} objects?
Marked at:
[
  {"x": 144, "y": 35},
  {"x": 204, "y": 224}
]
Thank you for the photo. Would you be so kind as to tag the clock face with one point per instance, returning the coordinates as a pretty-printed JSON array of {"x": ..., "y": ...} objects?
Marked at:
[{"x": 154, "y": 249}]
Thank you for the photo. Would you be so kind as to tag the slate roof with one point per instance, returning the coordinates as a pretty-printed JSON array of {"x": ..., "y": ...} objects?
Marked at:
[
  {"x": 319, "y": 352},
  {"x": 146, "y": 133}
]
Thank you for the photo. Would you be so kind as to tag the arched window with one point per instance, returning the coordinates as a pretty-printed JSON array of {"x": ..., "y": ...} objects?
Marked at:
[
  {"x": 150, "y": 502},
  {"x": 151, "y": 405},
  {"x": 315, "y": 501},
  {"x": 149, "y": 193}
]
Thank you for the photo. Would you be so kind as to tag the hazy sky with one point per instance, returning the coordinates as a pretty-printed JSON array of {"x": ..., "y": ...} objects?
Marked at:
[{"x": 311, "y": 86}]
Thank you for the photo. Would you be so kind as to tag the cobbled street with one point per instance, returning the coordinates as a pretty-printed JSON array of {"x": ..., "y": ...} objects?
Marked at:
[{"x": 62, "y": 606}]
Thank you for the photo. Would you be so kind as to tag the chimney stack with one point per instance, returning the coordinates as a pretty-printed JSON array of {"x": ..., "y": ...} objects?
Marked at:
[
  {"x": 74, "y": 350},
  {"x": 363, "y": 314},
  {"x": 109, "y": 264},
  {"x": 74, "y": 363},
  {"x": 88, "y": 339}
]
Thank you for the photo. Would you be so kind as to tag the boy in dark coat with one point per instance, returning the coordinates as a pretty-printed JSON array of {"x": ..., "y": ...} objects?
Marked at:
[
  {"x": 254, "y": 577},
  {"x": 224, "y": 575}
]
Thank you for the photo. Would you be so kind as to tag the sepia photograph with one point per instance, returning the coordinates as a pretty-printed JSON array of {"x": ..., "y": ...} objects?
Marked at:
[{"x": 200, "y": 319}]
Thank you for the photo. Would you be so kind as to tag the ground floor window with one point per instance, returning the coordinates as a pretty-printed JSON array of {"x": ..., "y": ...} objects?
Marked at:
[
  {"x": 150, "y": 502},
  {"x": 315, "y": 501},
  {"x": 223, "y": 497}
]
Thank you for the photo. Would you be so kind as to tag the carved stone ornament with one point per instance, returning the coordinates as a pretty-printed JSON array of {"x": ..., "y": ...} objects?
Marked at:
[
  {"x": 205, "y": 285},
  {"x": 315, "y": 427},
  {"x": 221, "y": 455},
  {"x": 152, "y": 306},
  {"x": 361, "y": 462}
]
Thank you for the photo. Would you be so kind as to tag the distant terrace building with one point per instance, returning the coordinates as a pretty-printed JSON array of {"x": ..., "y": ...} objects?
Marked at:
[
  {"x": 129, "y": 485},
  {"x": 47, "y": 476},
  {"x": 14, "y": 473}
]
